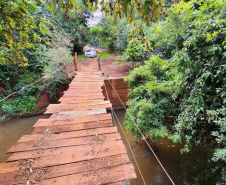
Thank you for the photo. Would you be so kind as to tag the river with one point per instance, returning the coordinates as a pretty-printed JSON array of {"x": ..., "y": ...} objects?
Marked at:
[{"x": 11, "y": 131}]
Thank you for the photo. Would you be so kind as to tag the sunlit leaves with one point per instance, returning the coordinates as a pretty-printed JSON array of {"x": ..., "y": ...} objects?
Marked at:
[
  {"x": 148, "y": 10},
  {"x": 16, "y": 30}
]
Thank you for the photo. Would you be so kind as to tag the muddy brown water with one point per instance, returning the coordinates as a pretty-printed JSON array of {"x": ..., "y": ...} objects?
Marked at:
[
  {"x": 169, "y": 156},
  {"x": 11, "y": 131}
]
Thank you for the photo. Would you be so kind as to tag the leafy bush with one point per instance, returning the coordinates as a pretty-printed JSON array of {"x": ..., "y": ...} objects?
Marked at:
[
  {"x": 136, "y": 51},
  {"x": 182, "y": 96},
  {"x": 57, "y": 59},
  {"x": 18, "y": 106},
  {"x": 112, "y": 35}
]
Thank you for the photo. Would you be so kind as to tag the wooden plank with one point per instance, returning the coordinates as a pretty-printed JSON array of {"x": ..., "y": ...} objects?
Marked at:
[
  {"x": 87, "y": 80},
  {"x": 80, "y": 99},
  {"x": 85, "y": 96},
  {"x": 42, "y": 144},
  {"x": 65, "y": 135},
  {"x": 86, "y": 124},
  {"x": 85, "y": 90},
  {"x": 52, "y": 108},
  {"x": 75, "y": 107},
  {"x": 81, "y": 93},
  {"x": 80, "y": 113},
  {"x": 72, "y": 127},
  {"x": 64, "y": 155},
  {"x": 54, "y": 115},
  {"x": 116, "y": 183},
  {"x": 86, "y": 84},
  {"x": 14, "y": 171},
  {"x": 85, "y": 103},
  {"x": 78, "y": 119},
  {"x": 102, "y": 176}
]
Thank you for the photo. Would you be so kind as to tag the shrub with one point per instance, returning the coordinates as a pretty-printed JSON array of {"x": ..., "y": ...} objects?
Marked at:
[
  {"x": 136, "y": 51},
  {"x": 182, "y": 97},
  {"x": 57, "y": 59}
]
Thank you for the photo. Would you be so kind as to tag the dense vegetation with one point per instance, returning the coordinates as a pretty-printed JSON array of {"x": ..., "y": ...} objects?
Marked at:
[
  {"x": 179, "y": 93},
  {"x": 40, "y": 43},
  {"x": 110, "y": 34}
]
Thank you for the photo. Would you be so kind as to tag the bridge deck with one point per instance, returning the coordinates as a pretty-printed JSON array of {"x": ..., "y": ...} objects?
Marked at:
[{"x": 78, "y": 144}]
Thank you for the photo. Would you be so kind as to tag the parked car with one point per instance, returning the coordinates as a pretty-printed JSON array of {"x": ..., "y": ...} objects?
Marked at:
[{"x": 90, "y": 53}]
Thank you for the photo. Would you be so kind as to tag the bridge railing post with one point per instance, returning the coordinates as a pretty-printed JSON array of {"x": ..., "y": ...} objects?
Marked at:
[
  {"x": 98, "y": 59},
  {"x": 75, "y": 61}
]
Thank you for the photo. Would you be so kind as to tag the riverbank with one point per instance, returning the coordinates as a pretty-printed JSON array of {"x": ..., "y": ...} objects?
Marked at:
[{"x": 34, "y": 99}]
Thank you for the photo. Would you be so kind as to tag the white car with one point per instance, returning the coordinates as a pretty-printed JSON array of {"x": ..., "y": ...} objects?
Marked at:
[{"x": 90, "y": 53}]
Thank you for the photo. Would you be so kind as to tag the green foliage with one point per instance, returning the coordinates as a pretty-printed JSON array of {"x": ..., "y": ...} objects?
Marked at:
[
  {"x": 42, "y": 58},
  {"x": 101, "y": 54},
  {"x": 136, "y": 51},
  {"x": 112, "y": 35},
  {"x": 22, "y": 103},
  {"x": 105, "y": 55},
  {"x": 18, "y": 106},
  {"x": 17, "y": 30},
  {"x": 57, "y": 59},
  {"x": 148, "y": 10},
  {"x": 182, "y": 96}
]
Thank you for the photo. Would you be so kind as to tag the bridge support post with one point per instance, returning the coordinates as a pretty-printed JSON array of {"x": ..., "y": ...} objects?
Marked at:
[
  {"x": 98, "y": 59},
  {"x": 75, "y": 62}
]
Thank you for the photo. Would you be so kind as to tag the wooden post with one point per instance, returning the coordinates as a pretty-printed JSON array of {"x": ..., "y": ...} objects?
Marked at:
[
  {"x": 98, "y": 58},
  {"x": 75, "y": 61}
]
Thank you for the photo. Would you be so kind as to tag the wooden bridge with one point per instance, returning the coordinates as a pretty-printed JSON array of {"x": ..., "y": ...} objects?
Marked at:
[{"x": 78, "y": 144}]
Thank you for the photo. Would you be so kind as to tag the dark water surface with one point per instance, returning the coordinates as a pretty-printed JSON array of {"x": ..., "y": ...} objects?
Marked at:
[
  {"x": 11, "y": 131},
  {"x": 169, "y": 156}
]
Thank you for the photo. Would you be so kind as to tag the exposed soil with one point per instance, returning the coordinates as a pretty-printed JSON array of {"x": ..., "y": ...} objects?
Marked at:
[
  {"x": 43, "y": 101},
  {"x": 111, "y": 69},
  {"x": 70, "y": 70},
  {"x": 109, "y": 66}
]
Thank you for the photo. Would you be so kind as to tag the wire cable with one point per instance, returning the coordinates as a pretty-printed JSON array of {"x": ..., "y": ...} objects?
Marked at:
[
  {"x": 142, "y": 135},
  {"x": 130, "y": 148},
  {"x": 113, "y": 113},
  {"x": 35, "y": 82},
  {"x": 114, "y": 123}
]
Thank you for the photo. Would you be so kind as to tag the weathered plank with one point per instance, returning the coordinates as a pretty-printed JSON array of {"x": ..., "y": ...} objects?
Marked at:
[
  {"x": 80, "y": 113},
  {"x": 78, "y": 119},
  {"x": 14, "y": 170},
  {"x": 85, "y": 90},
  {"x": 101, "y": 176},
  {"x": 43, "y": 144},
  {"x": 71, "y": 127},
  {"x": 87, "y": 103},
  {"x": 52, "y": 108},
  {"x": 81, "y": 93},
  {"x": 65, "y": 135},
  {"x": 65, "y": 155},
  {"x": 84, "y": 96},
  {"x": 80, "y": 99}
]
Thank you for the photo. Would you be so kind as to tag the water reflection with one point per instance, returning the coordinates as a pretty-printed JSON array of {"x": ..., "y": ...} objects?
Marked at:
[
  {"x": 169, "y": 156},
  {"x": 11, "y": 131}
]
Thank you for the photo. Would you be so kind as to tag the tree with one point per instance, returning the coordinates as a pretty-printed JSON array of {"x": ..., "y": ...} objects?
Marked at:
[{"x": 179, "y": 93}]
